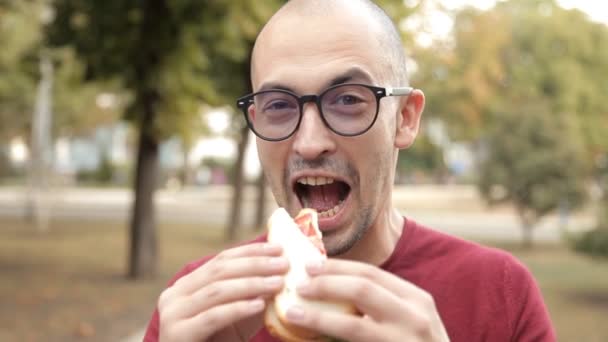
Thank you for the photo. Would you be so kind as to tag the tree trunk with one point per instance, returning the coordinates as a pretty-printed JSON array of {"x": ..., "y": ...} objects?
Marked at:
[
  {"x": 527, "y": 224},
  {"x": 260, "y": 211},
  {"x": 236, "y": 205},
  {"x": 234, "y": 220},
  {"x": 143, "y": 253},
  {"x": 528, "y": 241},
  {"x": 186, "y": 174},
  {"x": 144, "y": 246}
]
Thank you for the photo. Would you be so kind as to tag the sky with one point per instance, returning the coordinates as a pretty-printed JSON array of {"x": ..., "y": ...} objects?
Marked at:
[{"x": 435, "y": 24}]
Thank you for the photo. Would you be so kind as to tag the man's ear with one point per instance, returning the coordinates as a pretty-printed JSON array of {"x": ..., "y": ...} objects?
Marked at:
[{"x": 408, "y": 119}]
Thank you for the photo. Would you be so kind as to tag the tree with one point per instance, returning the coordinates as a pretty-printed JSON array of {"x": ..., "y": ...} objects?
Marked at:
[
  {"x": 74, "y": 105},
  {"x": 520, "y": 64},
  {"x": 141, "y": 44},
  {"x": 244, "y": 21},
  {"x": 518, "y": 47},
  {"x": 171, "y": 56},
  {"x": 37, "y": 97},
  {"x": 19, "y": 38},
  {"x": 533, "y": 159},
  {"x": 595, "y": 241}
]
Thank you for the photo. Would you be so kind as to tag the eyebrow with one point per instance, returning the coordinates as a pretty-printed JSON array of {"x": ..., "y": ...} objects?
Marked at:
[{"x": 354, "y": 73}]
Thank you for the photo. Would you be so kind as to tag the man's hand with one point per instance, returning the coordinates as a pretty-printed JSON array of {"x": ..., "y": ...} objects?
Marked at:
[
  {"x": 393, "y": 309},
  {"x": 223, "y": 299}
]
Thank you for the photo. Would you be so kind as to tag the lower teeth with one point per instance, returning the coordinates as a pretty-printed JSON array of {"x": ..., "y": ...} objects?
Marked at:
[{"x": 331, "y": 212}]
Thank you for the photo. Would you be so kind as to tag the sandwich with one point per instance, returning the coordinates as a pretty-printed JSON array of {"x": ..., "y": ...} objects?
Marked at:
[{"x": 302, "y": 243}]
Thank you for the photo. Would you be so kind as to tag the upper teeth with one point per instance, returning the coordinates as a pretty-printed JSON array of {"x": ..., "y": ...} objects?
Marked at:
[{"x": 315, "y": 180}]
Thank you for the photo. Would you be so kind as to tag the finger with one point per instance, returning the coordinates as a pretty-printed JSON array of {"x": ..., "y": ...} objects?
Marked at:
[
  {"x": 206, "y": 324},
  {"x": 343, "y": 326},
  {"x": 227, "y": 291},
  {"x": 394, "y": 284},
  {"x": 370, "y": 299},
  {"x": 227, "y": 268},
  {"x": 253, "y": 249}
]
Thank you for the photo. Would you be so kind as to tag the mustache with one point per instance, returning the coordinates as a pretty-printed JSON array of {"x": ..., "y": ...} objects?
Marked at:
[{"x": 333, "y": 165}]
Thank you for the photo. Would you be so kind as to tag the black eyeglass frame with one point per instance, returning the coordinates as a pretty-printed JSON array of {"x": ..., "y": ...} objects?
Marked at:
[{"x": 244, "y": 102}]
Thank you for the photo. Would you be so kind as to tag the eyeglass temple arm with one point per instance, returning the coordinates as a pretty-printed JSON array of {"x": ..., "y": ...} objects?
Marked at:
[{"x": 398, "y": 91}]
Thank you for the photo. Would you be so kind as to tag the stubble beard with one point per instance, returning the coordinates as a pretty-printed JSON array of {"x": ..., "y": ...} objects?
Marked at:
[{"x": 336, "y": 245}]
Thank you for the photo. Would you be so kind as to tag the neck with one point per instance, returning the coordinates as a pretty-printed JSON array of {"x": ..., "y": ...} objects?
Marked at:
[{"x": 380, "y": 240}]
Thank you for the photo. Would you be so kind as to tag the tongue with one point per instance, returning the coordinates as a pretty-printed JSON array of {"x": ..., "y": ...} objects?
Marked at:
[{"x": 324, "y": 197}]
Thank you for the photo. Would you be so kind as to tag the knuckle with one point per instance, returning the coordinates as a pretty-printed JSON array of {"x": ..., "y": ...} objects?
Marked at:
[
  {"x": 165, "y": 298},
  {"x": 216, "y": 270},
  {"x": 368, "y": 273},
  {"x": 421, "y": 325},
  {"x": 353, "y": 327},
  {"x": 361, "y": 289},
  {"x": 212, "y": 291},
  {"x": 427, "y": 300},
  {"x": 223, "y": 254},
  {"x": 211, "y": 318}
]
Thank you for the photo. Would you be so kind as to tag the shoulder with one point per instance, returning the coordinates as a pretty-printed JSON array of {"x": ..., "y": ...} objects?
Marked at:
[
  {"x": 432, "y": 245},
  {"x": 465, "y": 261},
  {"x": 484, "y": 282}
]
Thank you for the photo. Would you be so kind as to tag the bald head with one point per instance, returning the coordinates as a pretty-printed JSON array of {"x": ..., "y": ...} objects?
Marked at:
[{"x": 367, "y": 15}]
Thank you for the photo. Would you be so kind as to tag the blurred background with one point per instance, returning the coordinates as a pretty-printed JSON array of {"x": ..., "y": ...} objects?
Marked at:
[{"x": 122, "y": 156}]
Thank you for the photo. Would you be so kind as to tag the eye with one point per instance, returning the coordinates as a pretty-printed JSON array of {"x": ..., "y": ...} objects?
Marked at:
[
  {"x": 277, "y": 105},
  {"x": 348, "y": 99}
]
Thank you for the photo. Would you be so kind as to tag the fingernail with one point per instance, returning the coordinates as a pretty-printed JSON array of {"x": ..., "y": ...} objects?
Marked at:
[
  {"x": 273, "y": 281},
  {"x": 278, "y": 263},
  {"x": 295, "y": 314},
  {"x": 314, "y": 267},
  {"x": 256, "y": 305}
]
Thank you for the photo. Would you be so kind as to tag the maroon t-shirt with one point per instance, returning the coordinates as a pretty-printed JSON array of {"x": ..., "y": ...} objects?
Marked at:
[{"x": 481, "y": 293}]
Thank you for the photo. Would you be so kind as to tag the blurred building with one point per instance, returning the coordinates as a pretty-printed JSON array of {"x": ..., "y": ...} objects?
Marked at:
[{"x": 115, "y": 145}]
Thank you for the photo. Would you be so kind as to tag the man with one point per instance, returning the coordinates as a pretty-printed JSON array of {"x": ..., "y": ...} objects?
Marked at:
[{"x": 336, "y": 151}]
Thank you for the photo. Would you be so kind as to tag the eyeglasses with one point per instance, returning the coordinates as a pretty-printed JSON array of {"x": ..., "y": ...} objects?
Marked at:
[{"x": 346, "y": 109}]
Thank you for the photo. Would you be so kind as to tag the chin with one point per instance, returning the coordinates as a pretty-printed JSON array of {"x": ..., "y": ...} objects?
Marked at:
[{"x": 340, "y": 241}]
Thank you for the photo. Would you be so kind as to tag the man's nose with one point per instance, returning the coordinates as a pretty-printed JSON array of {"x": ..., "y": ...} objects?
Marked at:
[{"x": 313, "y": 139}]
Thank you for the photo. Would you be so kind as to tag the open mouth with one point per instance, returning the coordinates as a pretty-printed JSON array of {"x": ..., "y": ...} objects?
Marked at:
[{"x": 324, "y": 194}]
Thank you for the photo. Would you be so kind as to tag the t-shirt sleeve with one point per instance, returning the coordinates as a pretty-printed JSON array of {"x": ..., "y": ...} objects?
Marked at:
[
  {"x": 527, "y": 313},
  {"x": 152, "y": 331}
]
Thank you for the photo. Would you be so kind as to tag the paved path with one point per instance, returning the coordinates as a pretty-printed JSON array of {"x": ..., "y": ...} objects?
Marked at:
[
  {"x": 453, "y": 209},
  {"x": 137, "y": 336}
]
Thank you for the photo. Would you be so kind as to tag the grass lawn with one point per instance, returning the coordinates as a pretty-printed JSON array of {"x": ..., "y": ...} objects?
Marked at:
[{"x": 69, "y": 285}]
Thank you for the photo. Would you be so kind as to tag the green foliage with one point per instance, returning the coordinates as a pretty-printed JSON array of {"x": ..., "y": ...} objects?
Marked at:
[
  {"x": 178, "y": 53},
  {"x": 526, "y": 81},
  {"x": 423, "y": 156},
  {"x": 19, "y": 37},
  {"x": 519, "y": 49},
  {"x": 533, "y": 159},
  {"x": 73, "y": 103},
  {"x": 593, "y": 243}
]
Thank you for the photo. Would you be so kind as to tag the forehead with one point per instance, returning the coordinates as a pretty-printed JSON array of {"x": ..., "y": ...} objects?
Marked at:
[{"x": 307, "y": 52}]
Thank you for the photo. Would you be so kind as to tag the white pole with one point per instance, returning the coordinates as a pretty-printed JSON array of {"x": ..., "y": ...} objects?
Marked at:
[{"x": 42, "y": 151}]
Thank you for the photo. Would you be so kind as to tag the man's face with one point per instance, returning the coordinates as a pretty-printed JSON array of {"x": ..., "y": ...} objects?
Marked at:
[{"x": 347, "y": 179}]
